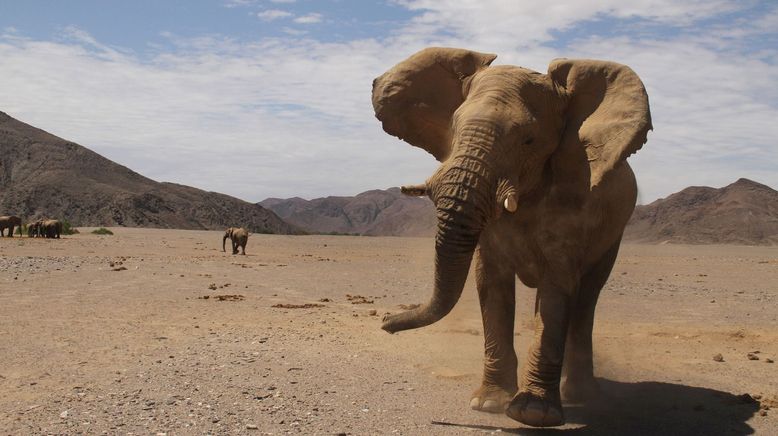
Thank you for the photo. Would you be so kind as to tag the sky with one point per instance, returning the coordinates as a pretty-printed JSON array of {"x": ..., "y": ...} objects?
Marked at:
[{"x": 271, "y": 98}]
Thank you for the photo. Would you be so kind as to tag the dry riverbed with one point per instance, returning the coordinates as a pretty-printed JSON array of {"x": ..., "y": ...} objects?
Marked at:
[{"x": 159, "y": 331}]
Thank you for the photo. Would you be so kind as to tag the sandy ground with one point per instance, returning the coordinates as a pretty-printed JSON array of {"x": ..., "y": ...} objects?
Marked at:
[{"x": 113, "y": 334}]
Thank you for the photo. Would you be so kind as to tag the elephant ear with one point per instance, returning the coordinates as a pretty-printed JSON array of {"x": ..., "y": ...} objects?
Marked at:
[
  {"x": 415, "y": 99},
  {"x": 607, "y": 112}
]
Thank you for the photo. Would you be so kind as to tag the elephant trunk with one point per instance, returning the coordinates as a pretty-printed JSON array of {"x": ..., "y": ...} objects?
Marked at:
[
  {"x": 461, "y": 202},
  {"x": 226, "y": 235}
]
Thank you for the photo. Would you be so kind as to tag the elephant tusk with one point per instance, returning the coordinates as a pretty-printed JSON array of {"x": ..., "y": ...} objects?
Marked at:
[
  {"x": 414, "y": 190},
  {"x": 507, "y": 192},
  {"x": 510, "y": 204}
]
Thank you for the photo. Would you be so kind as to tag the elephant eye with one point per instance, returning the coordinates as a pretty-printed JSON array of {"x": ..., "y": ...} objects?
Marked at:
[{"x": 529, "y": 141}]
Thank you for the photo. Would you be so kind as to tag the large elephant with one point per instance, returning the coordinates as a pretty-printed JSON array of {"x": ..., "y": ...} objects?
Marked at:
[
  {"x": 50, "y": 228},
  {"x": 238, "y": 236},
  {"x": 534, "y": 182},
  {"x": 9, "y": 222}
]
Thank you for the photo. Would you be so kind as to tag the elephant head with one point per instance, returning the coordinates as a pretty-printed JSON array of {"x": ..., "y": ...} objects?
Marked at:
[
  {"x": 503, "y": 134},
  {"x": 227, "y": 234}
]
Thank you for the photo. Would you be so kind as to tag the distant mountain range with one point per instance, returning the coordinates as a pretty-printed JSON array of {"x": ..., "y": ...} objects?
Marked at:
[
  {"x": 42, "y": 175},
  {"x": 744, "y": 212},
  {"x": 373, "y": 213},
  {"x": 45, "y": 176}
]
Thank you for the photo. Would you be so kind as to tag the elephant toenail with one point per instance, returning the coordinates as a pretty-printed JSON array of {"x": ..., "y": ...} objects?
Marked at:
[
  {"x": 491, "y": 405},
  {"x": 475, "y": 403}
]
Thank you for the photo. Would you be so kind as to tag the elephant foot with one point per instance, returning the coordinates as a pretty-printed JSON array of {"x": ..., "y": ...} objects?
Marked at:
[
  {"x": 580, "y": 390},
  {"x": 491, "y": 399},
  {"x": 531, "y": 409}
]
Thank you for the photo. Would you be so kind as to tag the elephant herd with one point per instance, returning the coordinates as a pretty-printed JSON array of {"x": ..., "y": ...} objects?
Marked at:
[
  {"x": 42, "y": 228},
  {"x": 50, "y": 228}
]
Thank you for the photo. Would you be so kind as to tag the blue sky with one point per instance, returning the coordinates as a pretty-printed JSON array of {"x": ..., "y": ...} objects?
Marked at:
[{"x": 261, "y": 98}]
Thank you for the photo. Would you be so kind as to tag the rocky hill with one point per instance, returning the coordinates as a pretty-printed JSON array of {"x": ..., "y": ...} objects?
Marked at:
[
  {"x": 745, "y": 212},
  {"x": 374, "y": 213},
  {"x": 45, "y": 176}
]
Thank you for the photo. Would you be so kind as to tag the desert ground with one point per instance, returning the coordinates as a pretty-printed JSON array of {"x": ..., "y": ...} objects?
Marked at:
[{"x": 160, "y": 332}]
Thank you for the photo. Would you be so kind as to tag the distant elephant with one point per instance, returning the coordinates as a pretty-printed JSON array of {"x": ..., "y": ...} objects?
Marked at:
[
  {"x": 534, "y": 182},
  {"x": 9, "y": 222},
  {"x": 50, "y": 228},
  {"x": 34, "y": 229},
  {"x": 238, "y": 236}
]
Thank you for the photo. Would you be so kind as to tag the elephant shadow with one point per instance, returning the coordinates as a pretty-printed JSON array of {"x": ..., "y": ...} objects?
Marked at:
[{"x": 650, "y": 408}]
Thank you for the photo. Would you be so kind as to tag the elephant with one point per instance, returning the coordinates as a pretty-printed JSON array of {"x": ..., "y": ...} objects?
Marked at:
[
  {"x": 239, "y": 237},
  {"x": 534, "y": 184},
  {"x": 33, "y": 229},
  {"x": 50, "y": 228},
  {"x": 9, "y": 222}
]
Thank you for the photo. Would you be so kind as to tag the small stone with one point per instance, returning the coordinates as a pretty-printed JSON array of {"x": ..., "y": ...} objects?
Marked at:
[
  {"x": 718, "y": 358},
  {"x": 752, "y": 356},
  {"x": 762, "y": 413},
  {"x": 251, "y": 427},
  {"x": 372, "y": 312},
  {"x": 768, "y": 360},
  {"x": 63, "y": 414}
]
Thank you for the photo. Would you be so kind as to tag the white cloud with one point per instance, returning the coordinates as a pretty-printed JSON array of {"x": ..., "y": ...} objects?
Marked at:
[
  {"x": 311, "y": 18},
  {"x": 294, "y": 32},
  {"x": 286, "y": 117},
  {"x": 239, "y": 3},
  {"x": 273, "y": 14}
]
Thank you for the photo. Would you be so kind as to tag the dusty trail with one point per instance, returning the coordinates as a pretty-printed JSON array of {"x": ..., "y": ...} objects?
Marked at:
[{"x": 112, "y": 334}]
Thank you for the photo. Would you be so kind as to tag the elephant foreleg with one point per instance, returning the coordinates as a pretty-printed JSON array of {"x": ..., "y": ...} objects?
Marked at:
[
  {"x": 579, "y": 384},
  {"x": 496, "y": 285},
  {"x": 538, "y": 402}
]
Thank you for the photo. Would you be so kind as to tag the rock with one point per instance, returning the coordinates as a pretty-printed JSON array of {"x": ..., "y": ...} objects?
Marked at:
[
  {"x": 768, "y": 360},
  {"x": 63, "y": 414},
  {"x": 372, "y": 312},
  {"x": 251, "y": 427},
  {"x": 718, "y": 357},
  {"x": 752, "y": 356}
]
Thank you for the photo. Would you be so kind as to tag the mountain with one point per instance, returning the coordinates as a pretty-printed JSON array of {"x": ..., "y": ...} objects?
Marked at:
[
  {"x": 745, "y": 212},
  {"x": 374, "y": 213},
  {"x": 45, "y": 176}
]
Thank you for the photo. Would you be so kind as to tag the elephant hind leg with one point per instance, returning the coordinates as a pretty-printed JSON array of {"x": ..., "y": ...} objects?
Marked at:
[{"x": 579, "y": 384}]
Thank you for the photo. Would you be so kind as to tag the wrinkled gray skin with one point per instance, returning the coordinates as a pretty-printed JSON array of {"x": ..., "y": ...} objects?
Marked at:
[
  {"x": 533, "y": 183},
  {"x": 238, "y": 236},
  {"x": 9, "y": 223}
]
